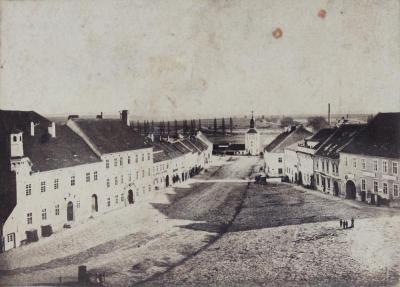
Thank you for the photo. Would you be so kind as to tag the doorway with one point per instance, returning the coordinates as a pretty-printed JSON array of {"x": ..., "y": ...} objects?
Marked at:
[
  {"x": 350, "y": 190},
  {"x": 95, "y": 206},
  {"x": 130, "y": 197},
  {"x": 70, "y": 211}
]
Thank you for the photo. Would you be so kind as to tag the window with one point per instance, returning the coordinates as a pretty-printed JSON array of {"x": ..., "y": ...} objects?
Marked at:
[
  {"x": 136, "y": 158},
  {"x": 327, "y": 166},
  {"x": 95, "y": 175},
  {"x": 15, "y": 138},
  {"x": 43, "y": 186},
  {"x": 10, "y": 237},
  {"x": 317, "y": 163},
  {"x": 107, "y": 163},
  {"x": 129, "y": 159},
  {"x": 122, "y": 179},
  {"x": 78, "y": 204},
  {"x": 333, "y": 168},
  {"x": 121, "y": 161},
  {"x": 375, "y": 186},
  {"x": 108, "y": 182},
  {"x": 142, "y": 173},
  {"x": 57, "y": 208},
  {"x": 385, "y": 188},
  {"x": 323, "y": 165},
  {"x": 56, "y": 183},
  {"x": 395, "y": 190},
  {"x": 363, "y": 184},
  {"x": 279, "y": 170},
  {"x": 328, "y": 180},
  {"x": 28, "y": 189},
  {"x": 354, "y": 162},
  {"x": 144, "y": 189},
  {"x": 130, "y": 177},
  {"x": 148, "y": 172},
  {"x": 122, "y": 197},
  {"x": 44, "y": 214},
  {"x": 279, "y": 159},
  {"x": 363, "y": 164},
  {"x": 116, "y": 180},
  {"x": 148, "y": 156},
  {"x": 375, "y": 165},
  {"x": 88, "y": 177},
  {"x": 385, "y": 166},
  {"x": 317, "y": 179},
  {"x": 345, "y": 161},
  {"x": 115, "y": 162},
  {"x": 29, "y": 218},
  {"x": 142, "y": 156},
  {"x": 72, "y": 180},
  {"x": 116, "y": 199},
  {"x": 108, "y": 202},
  {"x": 394, "y": 168}
]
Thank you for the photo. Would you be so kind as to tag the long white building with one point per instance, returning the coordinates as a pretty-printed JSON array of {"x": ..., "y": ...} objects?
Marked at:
[{"x": 53, "y": 176}]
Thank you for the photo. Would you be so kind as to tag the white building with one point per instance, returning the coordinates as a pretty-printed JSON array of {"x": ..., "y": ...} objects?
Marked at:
[
  {"x": 252, "y": 139},
  {"x": 274, "y": 152},
  {"x": 54, "y": 176}
]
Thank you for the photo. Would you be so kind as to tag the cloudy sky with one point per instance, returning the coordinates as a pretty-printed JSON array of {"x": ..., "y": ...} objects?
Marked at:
[{"x": 176, "y": 58}]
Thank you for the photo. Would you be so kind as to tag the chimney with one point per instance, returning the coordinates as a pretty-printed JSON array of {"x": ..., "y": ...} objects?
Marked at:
[
  {"x": 125, "y": 117},
  {"x": 52, "y": 130},
  {"x": 329, "y": 114},
  {"x": 32, "y": 129},
  {"x": 99, "y": 116}
]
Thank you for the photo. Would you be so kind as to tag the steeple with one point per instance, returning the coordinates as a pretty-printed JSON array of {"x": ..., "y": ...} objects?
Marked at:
[{"x": 252, "y": 121}]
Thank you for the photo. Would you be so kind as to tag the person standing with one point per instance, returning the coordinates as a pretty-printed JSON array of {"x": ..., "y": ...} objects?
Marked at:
[
  {"x": 341, "y": 223},
  {"x": 352, "y": 222}
]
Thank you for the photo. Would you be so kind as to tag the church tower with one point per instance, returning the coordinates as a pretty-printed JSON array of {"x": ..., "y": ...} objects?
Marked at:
[{"x": 252, "y": 139}]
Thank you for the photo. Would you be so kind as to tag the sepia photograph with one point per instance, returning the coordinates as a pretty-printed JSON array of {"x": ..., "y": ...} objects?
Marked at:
[{"x": 199, "y": 143}]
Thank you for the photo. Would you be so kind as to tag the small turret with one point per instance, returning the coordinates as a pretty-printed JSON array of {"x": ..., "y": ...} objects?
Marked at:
[{"x": 16, "y": 144}]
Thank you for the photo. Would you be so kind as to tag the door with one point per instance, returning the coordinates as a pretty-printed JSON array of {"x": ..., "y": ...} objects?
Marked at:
[
  {"x": 130, "y": 197},
  {"x": 95, "y": 206},
  {"x": 70, "y": 211}
]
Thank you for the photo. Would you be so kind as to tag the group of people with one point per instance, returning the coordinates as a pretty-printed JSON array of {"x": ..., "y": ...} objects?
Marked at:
[{"x": 345, "y": 224}]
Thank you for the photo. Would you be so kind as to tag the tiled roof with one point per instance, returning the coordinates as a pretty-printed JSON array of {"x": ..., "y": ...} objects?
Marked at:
[
  {"x": 380, "y": 138},
  {"x": 111, "y": 135},
  {"x": 338, "y": 140},
  {"x": 287, "y": 138},
  {"x": 46, "y": 153}
]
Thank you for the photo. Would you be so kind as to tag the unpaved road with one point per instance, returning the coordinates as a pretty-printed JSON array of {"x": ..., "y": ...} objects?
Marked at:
[{"x": 220, "y": 230}]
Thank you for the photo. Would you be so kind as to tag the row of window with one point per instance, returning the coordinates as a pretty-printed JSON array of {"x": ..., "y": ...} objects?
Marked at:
[
  {"x": 56, "y": 183},
  {"x": 29, "y": 216},
  {"x": 325, "y": 166},
  {"x": 108, "y": 182},
  {"x": 160, "y": 167},
  {"x": 129, "y": 161},
  {"x": 375, "y": 165},
  {"x": 385, "y": 187}
]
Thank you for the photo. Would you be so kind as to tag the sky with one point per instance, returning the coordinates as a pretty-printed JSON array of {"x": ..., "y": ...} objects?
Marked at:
[{"x": 198, "y": 58}]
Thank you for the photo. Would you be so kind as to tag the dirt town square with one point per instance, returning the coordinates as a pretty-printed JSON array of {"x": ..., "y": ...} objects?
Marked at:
[{"x": 217, "y": 229}]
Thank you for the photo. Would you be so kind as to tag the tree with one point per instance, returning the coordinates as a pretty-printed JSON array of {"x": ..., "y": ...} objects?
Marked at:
[
  {"x": 199, "y": 125},
  {"x": 215, "y": 126},
  {"x": 231, "y": 125},
  {"x": 162, "y": 128},
  {"x": 152, "y": 127},
  {"x": 317, "y": 123},
  {"x": 223, "y": 126},
  {"x": 176, "y": 127},
  {"x": 168, "y": 128},
  {"x": 139, "y": 128},
  {"x": 287, "y": 121},
  {"x": 185, "y": 127}
]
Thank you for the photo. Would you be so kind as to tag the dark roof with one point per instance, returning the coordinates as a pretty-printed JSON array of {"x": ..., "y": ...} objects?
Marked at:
[
  {"x": 160, "y": 155},
  {"x": 252, "y": 131},
  {"x": 321, "y": 136},
  {"x": 287, "y": 138},
  {"x": 339, "y": 139},
  {"x": 65, "y": 150},
  {"x": 46, "y": 153},
  {"x": 380, "y": 138},
  {"x": 111, "y": 135},
  {"x": 20, "y": 120}
]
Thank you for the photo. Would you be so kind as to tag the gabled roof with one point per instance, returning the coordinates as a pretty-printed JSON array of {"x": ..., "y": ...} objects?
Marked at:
[
  {"x": 287, "y": 138},
  {"x": 46, "y": 153},
  {"x": 338, "y": 140},
  {"x": 111, "y": 135},
  {"x": 381, "y": 137},
  {"x": 252, "y": 131}
]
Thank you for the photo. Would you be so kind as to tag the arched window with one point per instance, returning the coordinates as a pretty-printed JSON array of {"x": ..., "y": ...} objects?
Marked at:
[{"x": 14, "y": 138}]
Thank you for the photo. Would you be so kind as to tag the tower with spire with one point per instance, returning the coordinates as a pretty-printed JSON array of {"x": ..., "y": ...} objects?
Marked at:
[{"x": 252, "y": 138}]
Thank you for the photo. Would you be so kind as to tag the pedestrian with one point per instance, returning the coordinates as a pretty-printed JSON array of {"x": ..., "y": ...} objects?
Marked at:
[
  {"x": 347, "y": 224},
  {"x": 344, "y": 224},
  {"x": 341, "y": 223},
  {"x": 352, "y": 222}
]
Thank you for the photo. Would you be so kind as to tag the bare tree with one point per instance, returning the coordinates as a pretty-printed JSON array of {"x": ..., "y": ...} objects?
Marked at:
[{"x": 231, "y": 125}]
